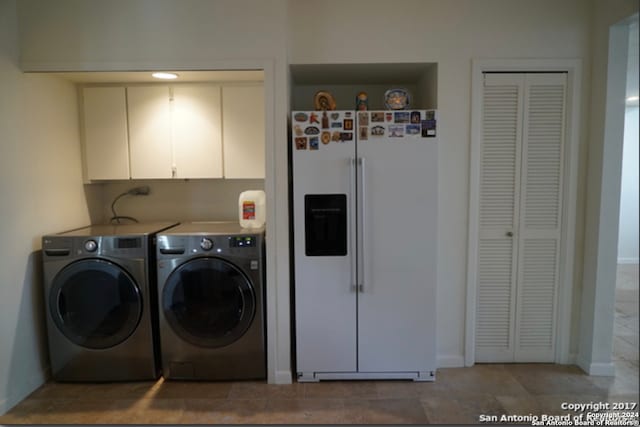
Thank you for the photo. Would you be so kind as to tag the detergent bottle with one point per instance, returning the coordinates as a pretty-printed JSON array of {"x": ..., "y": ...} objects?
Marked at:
[{"x": 251, "y": 208}]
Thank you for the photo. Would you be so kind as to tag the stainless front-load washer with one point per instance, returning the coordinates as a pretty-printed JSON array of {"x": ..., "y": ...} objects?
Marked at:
[
  {"x": 211, "y": 299},
  {"x": 100, "y": 297}
]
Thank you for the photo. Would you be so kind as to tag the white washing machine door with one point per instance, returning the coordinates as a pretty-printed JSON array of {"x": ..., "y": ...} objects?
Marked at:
[
  {"x": 95, "y": 303},
  {"x": 208, "y": 302}
]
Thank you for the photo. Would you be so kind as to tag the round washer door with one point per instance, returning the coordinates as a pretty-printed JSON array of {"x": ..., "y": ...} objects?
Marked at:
[
  {"x": 95, "y": 303},
  {"x": 208, "y": 302}
]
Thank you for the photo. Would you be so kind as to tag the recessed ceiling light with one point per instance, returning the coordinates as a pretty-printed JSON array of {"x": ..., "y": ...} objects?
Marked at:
[{"x": 164, "y": 76}]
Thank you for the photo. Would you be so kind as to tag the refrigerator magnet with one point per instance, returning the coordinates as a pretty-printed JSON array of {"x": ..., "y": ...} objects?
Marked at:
[
  {"x": 313, "y": 143},
  {"x": 413, "y": 130},
  {"x": 313, "y": 118},
  {"x": 301, "y": 143},
  {"x": 415, "y": 117},
  {"x": 364, "y": 133},
  {"x": 377, "y": 131},
  {"x": 311, "y": 130},
  {"x": 428, "y": 128},
  {"x": 335, "y": 136},
  {"x": 363, "y": 118},
  {"x": 377, "y": 117},
  {"x": 348, "y": 124},
  {"x": 396, "y": 131},
  {"x": 325, "y": 120},
  {"x": 346, "y": 136},
  {"x": 325, "y": 137},
  {"x": 401, "y": 117},
  {"x": 301, "y": 117},
  {"x": 298, "y": 130}
]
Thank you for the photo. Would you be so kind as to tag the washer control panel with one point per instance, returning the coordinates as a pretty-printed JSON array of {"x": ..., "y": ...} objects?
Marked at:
[
  {"x": 241, "y": 244},
  {"x": 242, "y": 241}
]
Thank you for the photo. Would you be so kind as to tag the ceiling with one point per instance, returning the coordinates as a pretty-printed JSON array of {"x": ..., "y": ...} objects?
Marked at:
[{"x": 145, "y": 76}]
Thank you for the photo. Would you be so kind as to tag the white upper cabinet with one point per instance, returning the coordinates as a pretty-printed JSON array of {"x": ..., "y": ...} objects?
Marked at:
[
  {"x": 150, "y": 132},
  {"x": 243, "y": 131},
  {"x": 106, "y": 146},
  {"x": 180, "y": 131},
  {"x": 197, "y": 134}
]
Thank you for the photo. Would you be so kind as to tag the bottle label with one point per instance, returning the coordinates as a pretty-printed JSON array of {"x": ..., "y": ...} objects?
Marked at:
[{"x": 248, "y": 210}]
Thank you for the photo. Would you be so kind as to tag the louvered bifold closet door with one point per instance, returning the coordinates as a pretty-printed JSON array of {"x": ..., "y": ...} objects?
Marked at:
[
  {"x": 540, "y": 216},
  {"x": 502, "y": 111}
]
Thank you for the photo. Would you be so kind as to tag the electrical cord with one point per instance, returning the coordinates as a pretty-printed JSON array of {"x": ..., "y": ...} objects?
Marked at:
[{"x": 136, "y": 191}]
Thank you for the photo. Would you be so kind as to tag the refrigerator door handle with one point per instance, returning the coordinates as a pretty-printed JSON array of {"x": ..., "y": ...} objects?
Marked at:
[
  {"x": 362, "y": 225},
  {"x": 352, "y": 224}
]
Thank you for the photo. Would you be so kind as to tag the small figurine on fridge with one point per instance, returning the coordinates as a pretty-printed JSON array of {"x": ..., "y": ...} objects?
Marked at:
[{"x": 362, "y": 101}]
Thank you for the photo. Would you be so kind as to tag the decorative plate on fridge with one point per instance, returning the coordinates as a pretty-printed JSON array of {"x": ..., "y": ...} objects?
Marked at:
[
  {"x": 397, "y": 99},
  {"x": 324, "y": 101}
]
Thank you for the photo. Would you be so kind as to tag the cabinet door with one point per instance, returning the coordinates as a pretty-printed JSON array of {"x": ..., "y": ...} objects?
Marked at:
[
  {"x": 197, "y": 134},
  {"x": 150, "y": 132},
  {"x": 105, "y": 133},
  {"x": 243, "y": 131}
]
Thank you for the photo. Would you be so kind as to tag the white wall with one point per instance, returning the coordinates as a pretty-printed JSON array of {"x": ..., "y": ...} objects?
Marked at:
[
  {"x": 451, "y": 34},
  {"x": 178, "y": 200},
  {"x": 41, "y": 192},
  {"x": 628, "y": 229}
]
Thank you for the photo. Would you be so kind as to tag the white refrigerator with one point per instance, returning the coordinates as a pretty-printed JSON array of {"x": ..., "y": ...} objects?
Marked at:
[{"x": 365, "y": 224}]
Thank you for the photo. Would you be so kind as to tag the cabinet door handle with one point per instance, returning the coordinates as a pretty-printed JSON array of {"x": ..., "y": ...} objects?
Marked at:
[{"x": 509, "y": 233}]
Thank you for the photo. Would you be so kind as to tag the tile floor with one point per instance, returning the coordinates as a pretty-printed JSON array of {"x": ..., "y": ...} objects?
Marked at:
[{"x": 458, "y": 396}]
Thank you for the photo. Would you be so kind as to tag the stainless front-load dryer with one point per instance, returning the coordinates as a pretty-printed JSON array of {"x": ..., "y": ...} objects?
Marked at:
[
  {"x": 100, "y": 297},
  {"x": 211, "y": 296}
]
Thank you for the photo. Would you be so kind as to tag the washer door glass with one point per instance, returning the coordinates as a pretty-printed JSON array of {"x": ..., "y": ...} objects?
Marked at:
[
  {"x": 208, "y": 302},
  {"x": 95, "y": 303}
]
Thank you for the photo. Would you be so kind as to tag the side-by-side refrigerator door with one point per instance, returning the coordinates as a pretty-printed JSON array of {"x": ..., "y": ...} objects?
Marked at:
[
  {"x": 323, "y": 154},
  {"x": 398, "y": 190}
]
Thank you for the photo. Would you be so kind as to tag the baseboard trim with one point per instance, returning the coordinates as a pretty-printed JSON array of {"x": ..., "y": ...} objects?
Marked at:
[
  {"x": 597, "y": 369},
  {"x": 450, "y": 361},
  {"x": 283, "y": 377},
  {"x": 628, "y": 260}
]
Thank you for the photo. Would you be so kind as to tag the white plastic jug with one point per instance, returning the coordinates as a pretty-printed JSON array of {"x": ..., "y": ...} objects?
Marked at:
[{"x": 251, "y": 208}]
